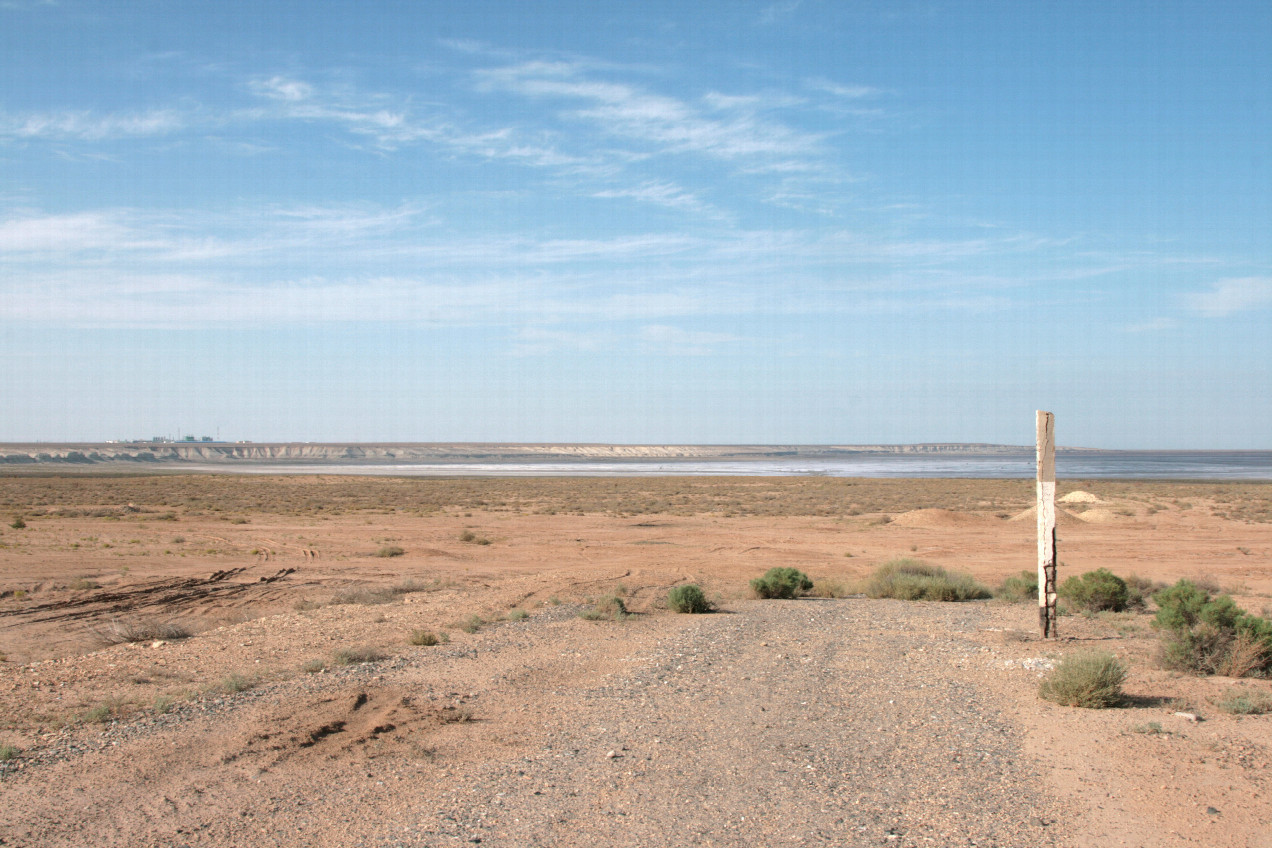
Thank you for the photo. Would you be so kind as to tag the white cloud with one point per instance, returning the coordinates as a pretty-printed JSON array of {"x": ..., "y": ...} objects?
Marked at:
[
  {"x": 665, "y": 194},
  {"x": 639, "y": 116},
  {"x": 1227, "y": 297},
  {"x": 849, "y": 92},
  {"x": 282, "y": 88},
  {"x": 90, "y": 126},
  {"x": 34, "y": 233}
]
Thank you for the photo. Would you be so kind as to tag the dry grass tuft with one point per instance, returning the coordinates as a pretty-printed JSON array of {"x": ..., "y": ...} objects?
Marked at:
[
  {"x": 119, "y": 631},
  {"x": 356, "y": 655}
]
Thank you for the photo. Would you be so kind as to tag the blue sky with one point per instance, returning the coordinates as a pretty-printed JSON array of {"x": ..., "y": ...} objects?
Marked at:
[{"x": 714, "y": 222}]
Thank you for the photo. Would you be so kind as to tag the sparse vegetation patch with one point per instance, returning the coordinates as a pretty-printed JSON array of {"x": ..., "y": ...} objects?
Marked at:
[
  {"x": 427, "y": 638},
  {"x": 912, "y": 580},
  {"x": 1242, "y": 702},
  {"x": 354, "y": 656},
  {"x": 610, "y": 608},
  {"x": 118, "y": 631},
  {"x": 1019, "y": 589}
]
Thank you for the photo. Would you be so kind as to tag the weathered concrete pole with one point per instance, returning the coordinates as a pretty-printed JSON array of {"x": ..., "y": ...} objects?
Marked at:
[{"x": 1047, "y": 524}]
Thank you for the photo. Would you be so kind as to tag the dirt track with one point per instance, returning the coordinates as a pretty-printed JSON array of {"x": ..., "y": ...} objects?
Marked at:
[{"x": 809, "y": 722}]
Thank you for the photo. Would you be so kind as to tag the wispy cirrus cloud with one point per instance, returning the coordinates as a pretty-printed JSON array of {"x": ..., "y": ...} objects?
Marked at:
[
  {"x": 664, "y": 123},
  {"x": 1228, "y": 297},
  {"x": 92, "y": 126},
  {"x": 847, "y": 92},
  {"x": 666, "y": 194}
]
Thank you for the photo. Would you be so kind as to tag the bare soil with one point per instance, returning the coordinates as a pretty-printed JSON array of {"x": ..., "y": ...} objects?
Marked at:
[{"x": 823, "y": 721}]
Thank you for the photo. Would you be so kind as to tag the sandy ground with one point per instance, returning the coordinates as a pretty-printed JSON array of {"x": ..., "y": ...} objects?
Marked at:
[{"x": 820, "y": 721}]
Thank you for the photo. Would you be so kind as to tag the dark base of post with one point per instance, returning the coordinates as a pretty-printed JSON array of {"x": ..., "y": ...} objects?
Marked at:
[{"x": 1047, "y": 613}]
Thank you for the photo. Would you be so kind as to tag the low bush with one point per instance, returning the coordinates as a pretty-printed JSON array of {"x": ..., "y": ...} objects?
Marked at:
[
  {"x": 390, "y": 551},
  {"x": 7, "y": 752},
  {"x": 1091, "y": 679},
  {"x": 1237, "y": 702},
  {"x": 1140, "y": 590},
  {"x": 610, "y": 608},
  {"x": 17, "y": 523},
  {"x": 783, "y": 583},
  {"x": 427, "y": 638},
  {"x": 1019, "y": 589},
  {"x": 912, "y": 580},
  {"x": 118, "y": 631},
  {"x": 235, "y": 682},
  {"x": 688, "y": 599},
  {"x": 1096, "y": 591},
  {"x": 472, "y": 538},
  {"x": 1203, "y": 633},
  {"x": 471, "y": 624},
  {"x": 353, "y": 656},
  {"x": 517, "y": 615}
]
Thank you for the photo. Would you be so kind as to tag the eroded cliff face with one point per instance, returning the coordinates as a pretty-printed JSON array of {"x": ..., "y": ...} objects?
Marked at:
[{"x": 179, "y": 453}]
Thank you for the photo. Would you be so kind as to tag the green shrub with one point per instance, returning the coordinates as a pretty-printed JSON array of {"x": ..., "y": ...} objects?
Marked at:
[
  {"x": 1096, "y": 591},
  {"x": 611, "y": 608},
  {"x": 1091, "y": 679},
  {"x": 7, "y": 752},
  {"x": 781, "y": 583},
  {"x": 517, "y": 615},
  {"x": 1019, "y": 589},
  {"x": 912, "y": 580},
  {"x": 390, "y": 551},
  {"x": 688, "y": 599},
  {"x": 1208, "y": 634},
  {"x": 17, "y": 523}
]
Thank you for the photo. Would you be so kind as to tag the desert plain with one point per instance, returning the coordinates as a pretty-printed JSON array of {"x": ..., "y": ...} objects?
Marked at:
[{"x": 230, "y": 660}]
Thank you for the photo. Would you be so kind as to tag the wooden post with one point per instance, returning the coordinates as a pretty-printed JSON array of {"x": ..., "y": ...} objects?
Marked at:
[{"x": 1047, "y": 524}]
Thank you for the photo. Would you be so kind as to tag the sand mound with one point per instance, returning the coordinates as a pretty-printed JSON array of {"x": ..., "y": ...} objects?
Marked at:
[
  {"x": 1102, "y": 515},
  {"x": 938, "y": 518},
  {"x": 1080, "y": 497},
  {"x": 1064, "y": 518}
]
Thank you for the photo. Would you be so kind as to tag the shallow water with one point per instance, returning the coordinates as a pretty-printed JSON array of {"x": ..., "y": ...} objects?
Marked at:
[{"x": 1157, "y": 465}]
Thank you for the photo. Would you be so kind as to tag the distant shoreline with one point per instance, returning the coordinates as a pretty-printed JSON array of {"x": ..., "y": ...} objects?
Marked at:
[
  {"x": 364, "y": 453},
  {"x": 527, "y": 460}
]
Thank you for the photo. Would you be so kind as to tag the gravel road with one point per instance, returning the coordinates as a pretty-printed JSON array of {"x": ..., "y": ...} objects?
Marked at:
[
  {"x": 812, "y": 722},
  {"x": 802, "y": 723}
]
